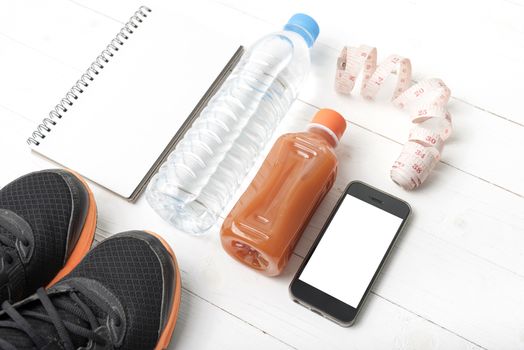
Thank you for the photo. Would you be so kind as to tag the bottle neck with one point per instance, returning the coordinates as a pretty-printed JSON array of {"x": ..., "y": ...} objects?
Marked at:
[
  {"x": 301, "y": 32},
  {"x": 325, "y": 132}
]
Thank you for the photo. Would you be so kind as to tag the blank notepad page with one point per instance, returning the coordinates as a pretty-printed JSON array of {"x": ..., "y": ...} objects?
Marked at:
[{"x": 123, "y": 121}]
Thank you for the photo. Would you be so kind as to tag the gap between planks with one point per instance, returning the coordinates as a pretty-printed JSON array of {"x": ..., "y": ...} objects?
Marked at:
[
  {"x": 458, "y": 100},
  {"x": 465, "y": 172},
  {"x": 102, "y": 234},
  {"x": 441, "y": 161},
  {"x": 338, "y": 50},
  {"x": 245, "y": 13},
  {"x": 385, "y": 299}
]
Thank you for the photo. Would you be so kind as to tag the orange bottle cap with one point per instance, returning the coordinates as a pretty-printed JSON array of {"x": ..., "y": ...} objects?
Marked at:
[{"x": 332, "y": 120}]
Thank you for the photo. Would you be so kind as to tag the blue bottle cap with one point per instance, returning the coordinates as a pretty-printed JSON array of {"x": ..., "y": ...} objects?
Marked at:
[{"x": 304, "y": 25}]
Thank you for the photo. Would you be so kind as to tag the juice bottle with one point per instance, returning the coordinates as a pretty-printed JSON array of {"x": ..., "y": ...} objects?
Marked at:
[{"x": 265, "y": 224}]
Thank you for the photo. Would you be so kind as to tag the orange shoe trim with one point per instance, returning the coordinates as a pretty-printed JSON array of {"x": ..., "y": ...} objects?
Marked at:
[
  {"x": 83, "y": 245},
  {"x": 167, "y": 332}
]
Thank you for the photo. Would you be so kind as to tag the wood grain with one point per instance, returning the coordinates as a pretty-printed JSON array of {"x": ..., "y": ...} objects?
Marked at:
[{"x": 455, "y": 279}]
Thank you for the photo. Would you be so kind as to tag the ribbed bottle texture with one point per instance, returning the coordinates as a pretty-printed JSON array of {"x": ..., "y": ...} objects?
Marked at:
[{"x": 209, "y": 163}]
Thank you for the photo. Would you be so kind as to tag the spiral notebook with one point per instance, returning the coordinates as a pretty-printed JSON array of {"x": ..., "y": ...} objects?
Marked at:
[{"x": 123, "y": 117}]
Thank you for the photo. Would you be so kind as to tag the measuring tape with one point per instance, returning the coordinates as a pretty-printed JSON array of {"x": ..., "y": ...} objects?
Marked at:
[{"x": 426, "y": 101}]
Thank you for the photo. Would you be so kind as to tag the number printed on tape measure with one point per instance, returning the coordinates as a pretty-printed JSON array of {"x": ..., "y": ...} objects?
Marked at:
[{"x": 431, "y": 119}]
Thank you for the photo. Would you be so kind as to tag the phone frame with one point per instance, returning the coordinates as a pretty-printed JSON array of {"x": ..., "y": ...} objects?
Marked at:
[{"x": 324, "y": 304}]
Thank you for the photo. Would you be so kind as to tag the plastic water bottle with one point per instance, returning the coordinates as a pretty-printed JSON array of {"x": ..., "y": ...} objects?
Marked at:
[{"x": 203, "y": 172}]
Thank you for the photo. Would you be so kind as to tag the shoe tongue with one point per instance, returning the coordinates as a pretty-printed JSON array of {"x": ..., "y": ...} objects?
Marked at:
[{"x": 21, "y": 340}]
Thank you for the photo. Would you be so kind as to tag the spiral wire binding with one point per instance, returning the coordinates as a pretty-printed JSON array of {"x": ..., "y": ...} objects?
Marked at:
[{"x": 94, "y": 69}]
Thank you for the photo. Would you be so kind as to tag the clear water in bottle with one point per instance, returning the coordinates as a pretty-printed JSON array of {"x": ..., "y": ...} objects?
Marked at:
[{"x": 207, "y": 166}]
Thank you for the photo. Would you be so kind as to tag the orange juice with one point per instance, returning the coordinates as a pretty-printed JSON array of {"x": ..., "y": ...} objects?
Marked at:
[{"x": 265, "y": 224}]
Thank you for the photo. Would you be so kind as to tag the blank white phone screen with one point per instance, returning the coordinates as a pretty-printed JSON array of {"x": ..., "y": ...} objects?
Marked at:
[{"x": 351, "y": 250}]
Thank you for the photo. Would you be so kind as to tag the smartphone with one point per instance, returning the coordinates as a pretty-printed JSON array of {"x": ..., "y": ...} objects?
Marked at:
[{"x": 341, "y": 266}]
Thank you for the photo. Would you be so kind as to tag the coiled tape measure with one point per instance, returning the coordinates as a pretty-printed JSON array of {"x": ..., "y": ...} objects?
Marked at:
[{"x": 426, "y": 100}]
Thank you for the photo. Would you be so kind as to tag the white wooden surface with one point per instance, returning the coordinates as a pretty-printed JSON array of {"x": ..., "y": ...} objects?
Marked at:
[{"x": 455, "y": 279}]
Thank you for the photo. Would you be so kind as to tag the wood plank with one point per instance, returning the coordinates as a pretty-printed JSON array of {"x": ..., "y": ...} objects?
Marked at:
[
  {"x": 201, "y": 325},
  {"x": 449, "y": 255},
  {"x": 479, "y": 139},
  {"x": 474, "y": 47},
  {"x": 460, "y": 233},
  {"x": 262, "y": 302},
  {"x": 454, "y": 256},
  {"x": 221, "y": 329},
  {"x": 195, "y": 315},
  {"x": 119, "y": 216},
  {"x": 60, "y": 29},
  {"x": 403, "y": 27},
  {"x": 32, "y": 83}
]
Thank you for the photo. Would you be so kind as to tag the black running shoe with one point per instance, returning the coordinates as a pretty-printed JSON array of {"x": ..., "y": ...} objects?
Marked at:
[
  {"x": 124, "y": 294},
  {"x": 47, "y": 225}
]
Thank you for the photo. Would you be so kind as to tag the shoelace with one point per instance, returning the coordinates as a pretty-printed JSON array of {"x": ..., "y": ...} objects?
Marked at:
[{"x": 68, "y": 301}]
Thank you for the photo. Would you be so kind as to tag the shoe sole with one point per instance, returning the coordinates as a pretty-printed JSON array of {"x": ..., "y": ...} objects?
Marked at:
[
  {"x": 87, "y": 236},
  {"x": 167, "y": 332}
]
